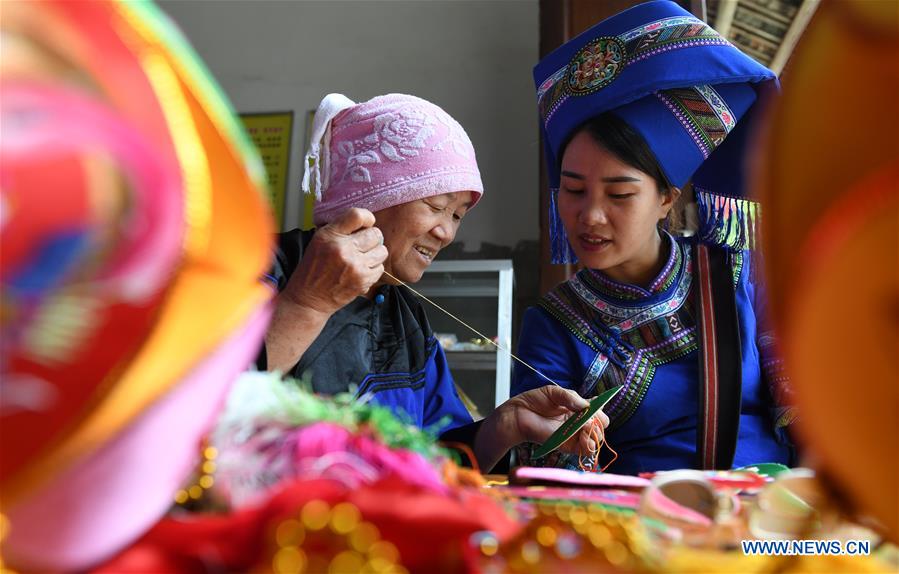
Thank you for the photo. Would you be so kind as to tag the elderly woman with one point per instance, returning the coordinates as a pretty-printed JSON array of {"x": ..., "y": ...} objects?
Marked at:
[{"x": 393, "y": 179}]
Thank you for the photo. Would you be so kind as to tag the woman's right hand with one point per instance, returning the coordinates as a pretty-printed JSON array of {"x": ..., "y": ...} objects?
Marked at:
[
  {"x": 343, "y": 261},
  {"x": 533, "y": 416}
]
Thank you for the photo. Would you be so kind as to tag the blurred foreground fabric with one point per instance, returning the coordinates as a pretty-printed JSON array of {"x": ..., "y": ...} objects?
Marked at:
[
  {"x": 134, "y": 228},
  {"x": 829, "y": 178}
]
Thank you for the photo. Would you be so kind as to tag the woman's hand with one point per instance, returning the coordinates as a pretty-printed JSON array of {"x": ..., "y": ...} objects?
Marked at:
[
  {"x": 343, "y": 261},
  {"x": 532, "y": 417}
]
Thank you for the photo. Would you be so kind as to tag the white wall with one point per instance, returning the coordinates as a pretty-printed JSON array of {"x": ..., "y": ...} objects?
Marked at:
[{"x": 471, "y": 57}]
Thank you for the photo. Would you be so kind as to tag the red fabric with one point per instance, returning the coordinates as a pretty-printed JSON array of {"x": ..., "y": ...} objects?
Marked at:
[{"x": 430, "y": 530}]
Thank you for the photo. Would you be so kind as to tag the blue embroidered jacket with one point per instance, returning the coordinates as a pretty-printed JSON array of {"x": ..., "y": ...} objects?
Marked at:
[
  {"x": 384, "y": 346},
  {"x": 591, "y": 333}
]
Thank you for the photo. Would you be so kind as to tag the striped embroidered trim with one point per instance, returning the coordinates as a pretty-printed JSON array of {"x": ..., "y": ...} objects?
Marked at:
[
  {"x": 719, "y": 106},
  {"x": 598, "y": 281},
  {"x": 669, "y": 272},
  {"x": 590, "y": 385},
  {"x": 626, "y": 318},
  {"x": 604, "y": 286},
  {"x": 657, "y": 26},
  {"x": 556, "y": 306},
  {"x": 666, "y": 339},
  {"x": 569, "y": 310},
  {"x": 550, "y": 82},
  {"x": 642, "y": 372},
  {"x": 702, "y": 113},
  {"x": 378, "y": 382},
  {"x": 686, "y": 43}
]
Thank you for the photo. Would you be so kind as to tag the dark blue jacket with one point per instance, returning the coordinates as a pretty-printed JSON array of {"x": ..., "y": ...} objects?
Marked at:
[{"x": 383, "y": 347}]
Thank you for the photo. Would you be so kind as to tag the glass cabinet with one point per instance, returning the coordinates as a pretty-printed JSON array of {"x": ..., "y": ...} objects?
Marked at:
[{"x": 479, "y": 292}]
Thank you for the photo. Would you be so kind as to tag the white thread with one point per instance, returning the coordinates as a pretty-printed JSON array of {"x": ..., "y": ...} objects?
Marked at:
[{"x": 475, "y": 331}]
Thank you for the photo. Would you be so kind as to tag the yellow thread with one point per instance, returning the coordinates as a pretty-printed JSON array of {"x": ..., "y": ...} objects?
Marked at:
[{"x": 475, "y": 331}]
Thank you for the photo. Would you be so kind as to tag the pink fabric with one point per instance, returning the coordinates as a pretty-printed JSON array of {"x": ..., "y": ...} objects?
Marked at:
[
  {"x": 247, "y": 471},
  {"x": 394, "y": 149},
  {"x": 654, "y": 499},
  {"x": 95, "y": 508},
  {"x": 565, "y": 476}
]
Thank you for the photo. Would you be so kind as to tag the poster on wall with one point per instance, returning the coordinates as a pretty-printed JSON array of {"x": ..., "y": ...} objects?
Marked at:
[
  {"x": 271, "y": 132},
  {"x": 308, "y": 198}
]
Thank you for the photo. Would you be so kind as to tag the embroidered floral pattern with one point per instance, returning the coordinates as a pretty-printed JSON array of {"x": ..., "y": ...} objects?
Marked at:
[
  {"x": 595, "y": 65},
  {"x": 356, "y": 161},
  {"x": 402, "y": 134},
  {"x": 395, "y": 137},
  {"x": 719, "y": 106}
]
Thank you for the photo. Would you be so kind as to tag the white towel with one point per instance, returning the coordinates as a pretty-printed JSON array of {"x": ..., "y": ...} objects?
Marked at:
[{"x": 316, "y": 164}]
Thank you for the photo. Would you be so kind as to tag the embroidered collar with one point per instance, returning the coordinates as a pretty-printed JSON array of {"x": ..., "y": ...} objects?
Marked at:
[{"x": 613, "y": 290}]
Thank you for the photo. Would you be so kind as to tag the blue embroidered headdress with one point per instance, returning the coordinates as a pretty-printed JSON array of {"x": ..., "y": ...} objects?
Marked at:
[{"x": 681, "y": 86}]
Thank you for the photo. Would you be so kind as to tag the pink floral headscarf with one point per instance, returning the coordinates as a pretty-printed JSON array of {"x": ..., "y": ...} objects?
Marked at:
[{"x": 389, "y": 150}]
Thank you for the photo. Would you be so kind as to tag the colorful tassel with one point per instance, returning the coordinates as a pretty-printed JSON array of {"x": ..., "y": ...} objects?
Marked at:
[{"x": 728, "y": 221}]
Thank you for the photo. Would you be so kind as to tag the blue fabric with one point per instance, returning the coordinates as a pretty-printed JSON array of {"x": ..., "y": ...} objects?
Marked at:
[
  {"x": 686, "y": 90},
  {"x": 384, "y": 346},
  {"x": 53, "y": 260},
  {"x": 660, "y": 434},
  {"x": 430, "y": 402}
]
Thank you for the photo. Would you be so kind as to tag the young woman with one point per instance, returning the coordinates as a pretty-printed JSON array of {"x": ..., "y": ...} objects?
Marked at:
[{"x": 631, "y": 110}]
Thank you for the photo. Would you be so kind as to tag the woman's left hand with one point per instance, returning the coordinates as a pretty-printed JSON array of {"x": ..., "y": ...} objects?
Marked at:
[{"x": 532, "y": 417}]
